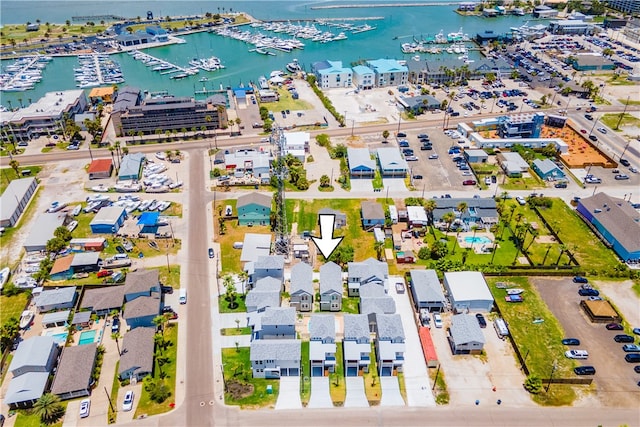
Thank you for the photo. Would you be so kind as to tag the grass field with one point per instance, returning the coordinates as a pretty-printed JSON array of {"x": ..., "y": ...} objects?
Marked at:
[
  {"x": 9, "y": 174},
  {"x": 286, "y": 102},
  {"x": 372, "y": 387},
  {"x": 237, "y": 368},
  {"x": 305, "y": 365},
  {"x": 611, "y": 120},
  {"x": 337, "y": 383},
  {"x": 12, "y": 306}
]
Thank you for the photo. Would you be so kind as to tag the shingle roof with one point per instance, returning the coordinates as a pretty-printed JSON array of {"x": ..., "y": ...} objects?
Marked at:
[
  {"x": 85, "y": 258},
  {"x": 137, "y": 350},
  {"x": 103, "y": 298},
  {"x": 261, "y": 299},
  {"x": 61, "y": 264},
  {"x": 377, "y": 305},
  {"x": 465, "y": 329},
  {"x": 372, "y": 210},
  {"x": 26, "y": 387},
  {"x": 81, "y": 317},
  {"x": 389, "y": 327},
  {"x": 391, "y": 159},
  {"x": 356, "y": 326},
  {"x": 33, "y": 351},
  {"x": 279, "y": 316},
  {"x": 141, "y": 281},
  {"x": 330, "y": 278},
  {"x": 141, "y": 307},
  {"x": 270, "y": 262},
  {"x": 74, "y": 370},
  {"x": 56, "y": 296},
  {"x": 286, "y": 349},
  {"x": 368, "y": 269},
  {"x": 268, "y": 284},
  {"x": 301, "y": 279},
  {"x": 254, "y": 198},
  {"x": 360, "y": 157},
  {"x": 322, "y": 327},
  {"x": 426, "y": 286},
  {"x": 372, "y": 290}
]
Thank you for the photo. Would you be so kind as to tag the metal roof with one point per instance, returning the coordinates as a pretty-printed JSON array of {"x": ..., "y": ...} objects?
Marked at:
[
  {"x": 467, "y": 286},
  {"x": 56, "y": 317},
  {"x": 26, "y": 387},
  {"x": 34, "y": 351},
  {"x": 56, "y": 296},
  {"x": 465, "y": 329}
]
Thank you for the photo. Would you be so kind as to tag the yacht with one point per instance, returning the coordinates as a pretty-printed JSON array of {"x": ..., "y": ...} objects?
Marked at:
[{"x": 293, "y": 66}]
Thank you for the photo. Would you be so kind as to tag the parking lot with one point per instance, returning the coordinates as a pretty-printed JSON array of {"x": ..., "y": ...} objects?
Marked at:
[{"x": 615, "y": 378}]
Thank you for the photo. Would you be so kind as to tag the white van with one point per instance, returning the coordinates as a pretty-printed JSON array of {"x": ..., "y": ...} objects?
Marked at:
[
  {"x": 121, "y": 256},
  {"x": 501, "y": 327},
  {"x": 577, "y": 354},
  {"x": 237, "y": 245},
  {"x": 183, "y": 296}
]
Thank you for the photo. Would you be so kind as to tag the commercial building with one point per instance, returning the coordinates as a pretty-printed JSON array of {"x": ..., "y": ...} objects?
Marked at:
[
  {"x": 297, "y": 144},
  {"x": 102, "y": 95},
  {"x": 468, "y": 291},
  {"x": 363, "y": 77},
  {"x": 42, "y": 231},
  {"x": 419, "y": 104},
  {"x": 626, "y": 6},
  {"x": 544, "y": 12},
  {"x": 131, "y": 167},
  {"x": 590, "y": 62},
  {"x": 108, "y": 220},
  {"x": 45, "y": 116},
  {"x": 254, "y": 208},
  {"x": 100, "y": 168},
  {"x": 521, "y": 125},
  {"x": 428, "y": 71},
  {"x": 388, "y": 72},
  {"x": 15, "y": 199},
  {"x": 476, "y": 156},
  {"x": 330, "y": 74},
  {"x": 167, "y": 113},
  {"x": 571, "y": 26}
]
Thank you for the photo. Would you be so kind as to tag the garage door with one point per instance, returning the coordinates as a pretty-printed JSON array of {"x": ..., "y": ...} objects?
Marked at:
[
  {"x": 352, "y": 372},
  {"x": 316, "y": 371},
  {"x": 294, "y": 372},
  {"x": 385, "y": 372}
]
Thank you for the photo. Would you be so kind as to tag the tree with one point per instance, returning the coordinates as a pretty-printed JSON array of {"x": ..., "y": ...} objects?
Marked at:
[
  {"x": 10, "y": 329},
  {"x": 430, "y": 206},
  {"x": 385, "y": 134},
  {"x": 325, "y": 181},
  {"x": 157, "y": 389},
  {"x": 116, "y": 337},
  {"x": 63, "y": 233},
  {"x": 424, "y": 253},
  {"x": 342, "y": 255},
  {"x": 15, "y": 165},
  {"x": 48, "y": 408},
  {"x": 378, "y": 246},
  {"x": 160, "y": 321},
  {"x": 448, "y": 218},
  {"x": 230, "y": 290},
  {"x": 438, "y": 250},
  {"x": 533, "y": 384},
  {"x": 55, "y": 245}
]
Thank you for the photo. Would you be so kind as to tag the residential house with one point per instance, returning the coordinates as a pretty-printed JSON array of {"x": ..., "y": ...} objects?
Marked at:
[
  {"x": 56, "y": 299},
  {"x": 322, "y": 344},
  {"x": 417, "y": 216},
  {"x": 25, "y": 390},
  {"x": 275, "y": 323},
  {"x": 73, "y": 377},
  {"x": 356, "y": 344},
  {"x": 340, "y": 217},
  {"x": 372, "y": 215},
  {"x": 330, "y": 287},
  {"x": 61, "y": 269},
  {"x": 388, "y": 72},
  {"x": 373, "y": 301},
  {"x": 468, "y": 291},
  {"x": 547, "y": 170},
  {"x": 405, "y": 257},
  {"x": 85, "y": 262},
  {"x": 390, "y": 346},
  {"x": 141, "y": 283},
  {"x": 102, "y": 301},
  {"x": 254, "y": 209},
  {"x": 35, "y": 354},
  {"x": 363, "y": 77},
  {"x": 136, "y": 357},
  {"x": 301, "y": 287},
  {"x": 265, "y": 293},
  {"x": 512, "y": 164},
  {"x": 141, "y": 311},
  {"x": 368, "y": 271},
  {"x": 392, "y": 165},
  {"x": 249, "y": 161},
  {"x": 330, "y": 74},
  {"x": 297, "y": 144},
  {"x": 275, "y": 358},
  {"x": 254, "y": 246},
  {"x": 361, "y": 165},
  {"x": 482, "y": 211},
  {"x": 109, "y": 219},
  {"x": 267, "y": 266},
  {"x": 465, "y": 335},
  {"x": 131, "y": 166},
  {"x": 427, "y": 291}
]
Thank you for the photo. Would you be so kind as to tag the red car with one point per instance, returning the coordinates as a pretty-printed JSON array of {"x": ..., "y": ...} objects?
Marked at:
[
  {"x": 469, "y": 182},
  {"x": 103, "y": 273},
  {"x": 583, "y": 131}
]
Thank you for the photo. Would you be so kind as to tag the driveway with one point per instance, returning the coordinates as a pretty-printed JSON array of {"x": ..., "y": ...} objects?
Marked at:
[
  {"x": 394, "y": 184},
  {"x": 229, "y": 341},
  {"x": 289, "y": 395},
  {"x": 228, "y": 320},
  {"x": 391, "y": 392},
  {"x": 320, "y": 397},
  {"x": 361, "y": 184},
  {"x": 356, "y": 398}
]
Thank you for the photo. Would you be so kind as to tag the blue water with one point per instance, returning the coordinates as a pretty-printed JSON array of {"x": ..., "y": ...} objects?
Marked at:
[
  {"x": 87, "y": 337},
  {"x": 478, "y": 239},
  {"x": 399, "y": 25},
  {"x": 60, "y": 338}
]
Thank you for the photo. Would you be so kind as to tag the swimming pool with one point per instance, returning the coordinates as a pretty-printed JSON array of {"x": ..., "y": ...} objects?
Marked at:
[
  {"x": 478, "y": 239},
  {"x": 60, "y": 338},
  {"x": 87, "y": 337}
]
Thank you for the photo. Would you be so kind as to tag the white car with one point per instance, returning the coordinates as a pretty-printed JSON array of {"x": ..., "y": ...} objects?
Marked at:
[
  {"x": 602, "y": 130},
  {"x": 576, "y": 354},
  {"x": 437, "y": 320},
  {"x": 521, "y": 200},
  {"x": 85, "y": 406},
  {"x": 433, "y": 156},
  {"x": 127, "y": 405}
]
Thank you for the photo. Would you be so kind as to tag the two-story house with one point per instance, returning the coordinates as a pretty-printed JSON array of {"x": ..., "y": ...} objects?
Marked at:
[
  {"x": 267, "y": 266},
  {"x": 372, "y": 215},
  {"x": 301, "y": 287},
  {"x": 265, "y": 293},
  {"x": 368, "y": 271},
  {"x": 274, "y": 323},
  {"x": 356, "y": 344},
  {"x": 275, "y": 358},
  {"x": 390, "y": 346},
  {"x": 141, "y": 283},
  {"x": 141, "y": 311},
  {"x": 374, "y": 300},
  {"x": 330, "y": 287},
  {"x": 322, "y": 344},
  {"x": 254, "y": 209}
]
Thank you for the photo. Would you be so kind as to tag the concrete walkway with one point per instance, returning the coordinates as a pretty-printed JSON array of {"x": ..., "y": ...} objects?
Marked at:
[
  {"x": 320, "y": 396},
  {"x": 289, "y": 395},
  {"x": 356, "y": 398},
  {"x": 390, "y": 392},
  {"x": 229, "y": 341},
  {"x": 228, "y": 320}
]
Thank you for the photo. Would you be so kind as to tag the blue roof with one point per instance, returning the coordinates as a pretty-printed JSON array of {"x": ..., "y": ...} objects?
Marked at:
[
  {"x": 362, "y": 69},
  {"x": 331, "y": 67},
  {"x": 149, "y": 218},
  {"x": 387, "y": 66}
]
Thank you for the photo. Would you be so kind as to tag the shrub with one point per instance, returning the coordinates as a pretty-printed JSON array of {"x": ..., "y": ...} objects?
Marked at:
[
  {"x": 533, "y": 384},
  {"x": 424, "y": 253}
]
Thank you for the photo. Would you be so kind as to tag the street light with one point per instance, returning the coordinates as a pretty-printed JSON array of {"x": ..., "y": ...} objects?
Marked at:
[{"x": 553, "y": 369}]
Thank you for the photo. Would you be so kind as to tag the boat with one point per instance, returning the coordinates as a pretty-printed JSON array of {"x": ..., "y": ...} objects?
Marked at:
[
  {"x": 76, "y": 211},
  {"x": 4, "y": 276},
  {"x": 80, "y": 276},
  {"x": 153, "y": 245},
  {"x": 26, "y": 318},
  {"x": 203, "y": 79},
  {"x": 513, "y": 298},
  {"x": 163, "y": 206},
  {"x": 127, "y": 188},
  {"x": 100, "y": 188},
  {"x": 127, "y": 245},
  {"x": 111, "y": 263},
  {"x": 72, "y": 225},
  {"x": 25, "y": 282},
  {"x": 56, "y": 207},
  {"x": 514, "y": 291},
  {"x": 293, "y": 66}
]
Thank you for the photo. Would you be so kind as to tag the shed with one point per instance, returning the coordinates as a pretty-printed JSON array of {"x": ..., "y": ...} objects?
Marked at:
[
  {"x": 476, "y": 156},
  {"x": 405, "y": 257},
  {"x": 148, "y": 222},
  {"x": 82, "y": 319},
  {"x": 85, "y": 262},
  {"x": 73, "y": 377},
  {"x": 465, "y": 335},
  {"x": 100, "y": 168},
  {"x": 468, "y": 291},
  {"x": 56, "y": 299},
  {"x": 600, "y": 311},
  {"x": 15, "y": 199},
  {"x": 108, "y": 220},
  {"x": 427, "y": 291}
]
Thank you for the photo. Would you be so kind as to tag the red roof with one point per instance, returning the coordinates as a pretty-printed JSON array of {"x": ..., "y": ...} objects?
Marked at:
[
  {"x": 100, "y": 165},
  {"x": 427, "y": 344}
]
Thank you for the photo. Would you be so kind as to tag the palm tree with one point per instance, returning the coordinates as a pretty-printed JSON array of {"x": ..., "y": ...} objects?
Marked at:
[
  {"x": 563, "y": 249},
  {"x": 48, "y": 408},
  {"x": 15, "y": 165},
  {"x": 430, "y": 206},
  {"x": 449, "y": 217},
  {"x": 378, "y": 246},
  {"x": 116, "y": 336}
]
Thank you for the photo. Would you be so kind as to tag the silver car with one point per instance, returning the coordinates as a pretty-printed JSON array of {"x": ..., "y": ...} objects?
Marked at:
[{"x": 85, "y": 406}]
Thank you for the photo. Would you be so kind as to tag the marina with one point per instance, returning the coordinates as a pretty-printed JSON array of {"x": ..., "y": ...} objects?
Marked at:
[
  {"x": 163, "y": 67},
  {"x": 23, "y": 74},
  {"x": 96, "y": 70}
]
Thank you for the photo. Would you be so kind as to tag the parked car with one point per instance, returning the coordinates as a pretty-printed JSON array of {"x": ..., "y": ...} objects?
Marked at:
[
  {"x": 571, "y": 341},
  {"x": 602, "y": 130},
  {"x": 417, "y": 176},
  {"x": 593, "y": 138},
  {"x": 115, "y": 325},
  {"x": 580, "y": 279},
  {"x": 624, "y": 162},
  {"x": 481, "y": 320},
  {"x": 120, "y": 249},
  {"x": 614, "y": 327},
  {"x": 636, "y": 331},
  {"x": 127, "y": 404},
  {"x": 401, "y": 135},
  {"x": 630, "y": 348},
  {"x": 437, "y": 320},
  {"x": 521, "y": 201},
  {"x": 211, "y": 253},
  {"x": 433, "y": 156},
  {"x": 103, "y": 273},
  {"x": 632, "y": 358},
  {"x": 637, "y": 369},
  {"x": 623, "y": 338},
  {"x": 621, "y": 177},
  {"x": 585, "y": 370},
  {"x": 85, "y": 406},
  {"x": 423, "y": 136},
  {"x": 576, "y": 354},
  {"x": 588, "y": 292},
  {"x": 469, "y": 182},
  {"x": 588, "y": 116},
  {"x": 166, "y": 289}
]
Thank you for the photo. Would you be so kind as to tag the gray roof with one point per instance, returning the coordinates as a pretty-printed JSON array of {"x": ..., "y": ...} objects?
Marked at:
[
  {"x": 81, "y": 317},
  {"x": 322, "y": 327},
  {"x": 26, "y": 387},
  {"x": 85, "y": 258},
  {"x": 483, "y": 207},
  {"x": 33, "y": 351},
  {"x": 286, "y": 349},
  {"x": 356, "y": 326},
  {"x": 108, "y": 215},
  {"x": 545, "y": 166},
  {"x": 74, "y": 370},
  {"x": 359, "y": 157},
  {"x": 43, "y": 228},
  {"x": 262, "y": 299},
  {"x": 141, "y": 281},
  {"x": 279, "y": 316},
  {"x": 103, "y": 298},
  {"x": 618, "y": 217},
  {"x": 368, "y": 269},
  {"x": 420, "y": 101},
  {"x": 141, "y": 307},
  {"x": 330, "y": 278},
  {"x": 329, "y": 211},
  {"x": 475, "y": 152},
  {"x": 255, "y": 246},
  {"x": 56, "y": 317},
  {"x": 465, "y": 329},
  {"x": 391, "y": 159},
  {"x": 137, "y": 350},
  {"x": 14, "y": 192},
  {"x": 130, "y": 164},
  {"x": 426, "y": 286},
  {"x": 268, "y": 284},
  {"x": 254, "y": 198},
  {"x": 301, "y": 279},
  {"x": 270, "y": 262},
  {"x": 372, "y": 210},
  {"x": 389, "y": 327},
  {"x": 56, "y": 296},
  {"x": 377, "y": 305},
  {"x": 372, "y": 290}
]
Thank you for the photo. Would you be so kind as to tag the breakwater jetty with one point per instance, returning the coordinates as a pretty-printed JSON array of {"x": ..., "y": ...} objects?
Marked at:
[{"x": 358, "y": 6}]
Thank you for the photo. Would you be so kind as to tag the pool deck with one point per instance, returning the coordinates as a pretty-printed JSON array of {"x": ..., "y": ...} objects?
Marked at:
[{"x": 477, "y": 247}]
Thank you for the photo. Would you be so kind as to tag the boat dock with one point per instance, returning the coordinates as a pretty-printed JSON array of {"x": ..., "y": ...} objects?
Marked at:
[
  {"x": 357, "y": 6},
  {"x": 23, "y": 74},
  {"x": 162, "y": 66}
]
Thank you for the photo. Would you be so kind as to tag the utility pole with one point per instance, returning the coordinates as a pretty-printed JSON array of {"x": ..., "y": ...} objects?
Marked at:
[
  {"x": 626, "y": 104},
  {"x": 553, "y": 370},
  {"x": 399, "y": 118},
  {"x": 110, "y": 403}
]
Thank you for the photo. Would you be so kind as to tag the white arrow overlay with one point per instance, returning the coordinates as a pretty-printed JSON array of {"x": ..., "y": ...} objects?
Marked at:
[{"x": 326, "y": 243}]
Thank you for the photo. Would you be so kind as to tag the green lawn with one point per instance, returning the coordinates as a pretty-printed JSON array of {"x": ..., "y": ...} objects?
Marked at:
[
  {"x": 27, "y": 418},
  {"x": 6, "y": 238},
  {"x": 337, "y": 382},
  {"x": 13, "y": 306},
  {"x": 9, "y": 174},
  {"x": 114, "y": 395},
  {"x": 305, "y": 364},
  {"x": 372, "y": 387},
  {"x": 611, "y": 120},
  {"x": 223, "y": 305},
  {"x": 531, "y": 182},
  {"x": 350, "y": 305},
  {"x": 286, "y": 102},
  {"x": 238, "y": 376},
  {"x": 235, "y": 331},
  {"x": 539, "y": 343},
  {"x": 629, "y": 101},
  {"x": 145, "y": 404}
]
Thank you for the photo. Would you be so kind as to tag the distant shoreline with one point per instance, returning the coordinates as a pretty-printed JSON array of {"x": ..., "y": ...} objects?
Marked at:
[{"x": 358, "y": 6}]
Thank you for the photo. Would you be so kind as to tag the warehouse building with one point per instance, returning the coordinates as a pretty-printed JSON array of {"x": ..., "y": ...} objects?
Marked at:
[{"x": 15, "y": 199}]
